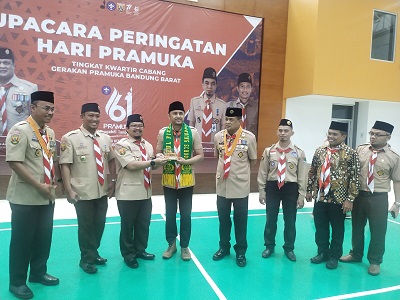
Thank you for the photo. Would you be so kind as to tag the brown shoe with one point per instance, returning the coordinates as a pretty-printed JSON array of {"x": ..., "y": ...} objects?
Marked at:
[
  {"x": 170, "y": 250},
  {"x": 374, "y": 270},
  {"x": 349, "y": 259},
  {"x": 185, "y": 254}
]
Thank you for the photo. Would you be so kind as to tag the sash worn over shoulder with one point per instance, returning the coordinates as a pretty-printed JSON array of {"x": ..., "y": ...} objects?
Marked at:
[{"x": 186, "y": 150}]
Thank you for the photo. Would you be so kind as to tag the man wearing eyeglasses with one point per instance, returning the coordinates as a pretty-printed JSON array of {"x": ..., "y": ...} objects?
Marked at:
[
  {"x": 333, "y": 182},
  {"x": 14, "y": 93},
  {"x": 135, "y": 160},
  {"x": 31, "y": 154},
  {"x": 379, "y": 165},
  {"x": 86, "y": 154}
]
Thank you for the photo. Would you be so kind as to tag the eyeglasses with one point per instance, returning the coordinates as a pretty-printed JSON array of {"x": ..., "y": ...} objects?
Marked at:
[
  {"x": 136, "y": 126},
  {"x": 46, "y": 108},
  {"x": 377, "y": 134}
]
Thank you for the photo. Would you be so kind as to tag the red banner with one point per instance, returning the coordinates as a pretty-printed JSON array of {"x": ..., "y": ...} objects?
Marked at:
[{"x": 132, "y": 57}]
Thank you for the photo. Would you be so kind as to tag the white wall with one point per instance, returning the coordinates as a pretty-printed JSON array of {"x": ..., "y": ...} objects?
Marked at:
[{"x": 311, "y": 117}]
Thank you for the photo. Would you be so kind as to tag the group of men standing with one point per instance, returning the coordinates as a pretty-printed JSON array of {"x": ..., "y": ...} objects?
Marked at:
[
  {"x": 340, "y": 180},
  {"x": 335, "y": 181},
  {"x": 81, "y": 170}
]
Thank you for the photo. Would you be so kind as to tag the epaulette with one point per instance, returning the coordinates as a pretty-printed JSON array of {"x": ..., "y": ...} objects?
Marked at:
[
  {"x": 365, "y": 144},
  {"x": 248, "y": 132},
  {"x": 393, "y": 151},
  {"x": 122, "y": 140},
  {"x": 298, "y": 147},
  {"x": 72, "y": 132},
  {"x": 26, "y": 82},
  {"x": 21, "y": 123}
]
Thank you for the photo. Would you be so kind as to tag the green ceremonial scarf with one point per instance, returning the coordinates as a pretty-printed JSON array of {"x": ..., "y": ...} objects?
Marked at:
[{"x": 186, "y": 150}]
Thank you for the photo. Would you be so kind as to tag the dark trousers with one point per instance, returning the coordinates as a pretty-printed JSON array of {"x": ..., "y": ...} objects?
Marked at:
[
  {"x": 91, "y": 221},
  {"x": 374, "y": 208},
  {"x": 31, "y": 233},
  {"x": 184, "y": 198},
  {"x": 135, "y": 223},
  {"x": 240, "y": 212},
  {"x": 288, "y": 194},
  {"x": 325, "y": 215}
]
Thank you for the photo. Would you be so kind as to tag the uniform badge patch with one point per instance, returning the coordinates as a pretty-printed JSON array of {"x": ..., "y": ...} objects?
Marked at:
[
  {"x": 291, "y": 166},
  {"x": 38, "y": 153},
  {"x": 272, "y": 164},
  {"x": 380, "y": 173},
  {"x": 294, "y": 153},
  {"x": 198, "y": 120},
  {"x": 63, "y": 146},
  {"x": 216, "y": 121},
  {"x": 14, "y": 139},
  {"x": 240, "y": 154},
  {"x": 122, "y": 151}
]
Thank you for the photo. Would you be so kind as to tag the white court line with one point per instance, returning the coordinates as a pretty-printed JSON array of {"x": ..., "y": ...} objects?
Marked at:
[
  {"x": 203, "y": 272},
  {"x": 362, "y": 294}
]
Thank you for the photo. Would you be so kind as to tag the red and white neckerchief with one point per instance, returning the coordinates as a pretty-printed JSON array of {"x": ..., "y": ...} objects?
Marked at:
[
  {"x": 227, "y": 158},
  {"x": 325, "y": 176},
  {"x": 282, "y": 166},
  {"x": 3, "y": 111},
  {"x": 146, "y": 171},
  {"x": 243, "y": 122},
  {"x": 47, "y": 159},
  {"x": 371, "y": 164},
  {"x": 207, "y": 122},
  {"x": 99, "y": 160},
  {"x": 177, "y": 150}
]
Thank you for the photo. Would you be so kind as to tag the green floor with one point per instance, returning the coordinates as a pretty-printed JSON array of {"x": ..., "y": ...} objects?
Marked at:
[{"x": 273, "y": 278}]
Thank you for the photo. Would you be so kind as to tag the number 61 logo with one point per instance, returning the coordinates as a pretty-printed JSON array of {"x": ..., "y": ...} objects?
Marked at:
[{"x": 117, "y": 112}]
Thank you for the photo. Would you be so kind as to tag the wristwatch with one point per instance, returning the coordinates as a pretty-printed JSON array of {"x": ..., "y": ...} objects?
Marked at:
[{"x": 152, "y": 163}]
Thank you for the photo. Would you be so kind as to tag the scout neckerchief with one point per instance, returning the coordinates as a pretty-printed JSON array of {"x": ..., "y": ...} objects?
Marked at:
[
  {"x": 325, "y": 176},
  {"x": 371, "y": 164},
  {"x": 3, "y": 111},
  {"x": 99, "y": 160},
  {"x": 282, "y": 166},
  {"x": 243, "y": 122},
  {"x": 206, "y": 126},
  {"x": 44, "y": 142},
  {"x": 146, "y": 171},
  {"x": 170, "y": 177},
  {"x": 229, "y": 148}
]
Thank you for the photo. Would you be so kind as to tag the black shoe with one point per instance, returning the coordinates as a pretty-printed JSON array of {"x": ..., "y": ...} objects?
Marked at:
[
  {"x": 332, "y": 263},
  {"x": 100, "y": 261},
  {"x": 320, "y": 258},
  {"x": 220, "y": 254},
  {"x": 144, "y": 255},
  {"x": 88, "y": 268},
  {"x": 45, "y": 279},
  {"x": 131, "y": 262},
  {"x": 290, "y": 255},
  {"x": 267, "y": 252},
  {"x": 21, "y": 292},
  {"x": 241, "y": 260}
]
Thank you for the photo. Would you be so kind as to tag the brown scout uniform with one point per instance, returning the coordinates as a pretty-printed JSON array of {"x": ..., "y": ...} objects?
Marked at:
[
  {"x": 23, "y": 146},
  {"x": 77, "y": 150},
  {"x": 296, "y": 168},
  {"x": 130, "y": 184},
  {"x": 195, "y": 116},
  {"x": 237, "y": 185}
]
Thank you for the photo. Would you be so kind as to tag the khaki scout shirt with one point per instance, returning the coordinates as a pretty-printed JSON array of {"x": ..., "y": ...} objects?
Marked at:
[
  {"x": 251, "y": 113},
  {"x": 18, "y": 101},
  {"x": 237, "y": 185},
  {"x": 130, "y": 184},
  {"x": 196, "y": 146},
  {"x": 23, "y": 146},
  {"x": 77, "y": 150},
  {"x": 296, "y": 168},
  {"x": 195, "y": 115},
  {"x": 386, "y": 168}
]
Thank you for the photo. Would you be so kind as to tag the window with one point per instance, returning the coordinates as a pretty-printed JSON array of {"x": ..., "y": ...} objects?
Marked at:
[{"x": 383, "y": 35}]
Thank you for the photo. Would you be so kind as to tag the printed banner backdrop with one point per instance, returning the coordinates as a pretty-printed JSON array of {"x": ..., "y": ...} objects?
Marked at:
[{"x": 131, "y": 57}]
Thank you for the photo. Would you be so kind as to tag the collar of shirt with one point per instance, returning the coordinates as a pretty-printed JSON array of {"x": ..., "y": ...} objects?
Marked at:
[
  {"x": 278, "y": 146},
  {"x": 134, "y": 141},
  {"x": 212, "y": 99},
  {"x": 386, "y": 148},
  {"x": 87, "y": 133}
]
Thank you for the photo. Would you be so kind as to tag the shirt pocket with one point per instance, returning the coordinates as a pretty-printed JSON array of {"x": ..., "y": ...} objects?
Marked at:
[
  {"x": 36, "y": 150},
  {"x": 82, "y": 155},
  {"x": 129, "y": 181}
]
